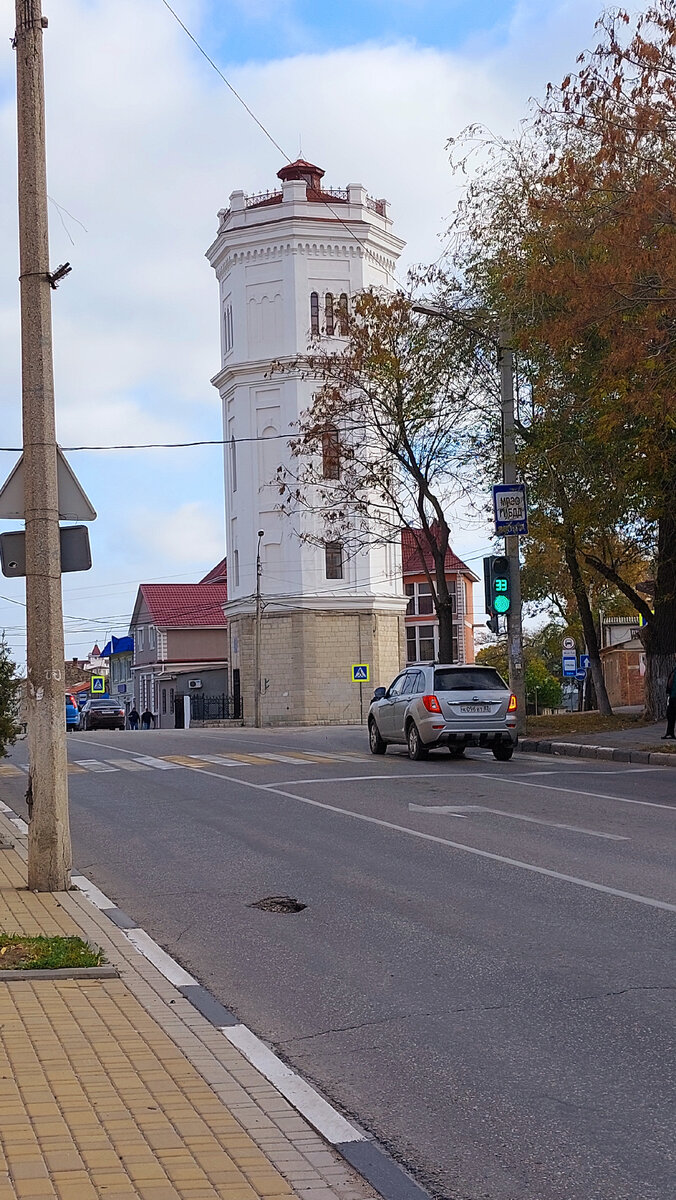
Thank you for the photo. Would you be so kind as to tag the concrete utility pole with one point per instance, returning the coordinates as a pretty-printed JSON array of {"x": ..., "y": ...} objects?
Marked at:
[
  {"x": 49, "y": 849},
  {"x": 514, "y": 621},
  {"x": 257, "y": 642}
]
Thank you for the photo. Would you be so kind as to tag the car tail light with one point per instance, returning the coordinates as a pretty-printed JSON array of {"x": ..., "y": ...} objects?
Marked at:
[
  {"x": 431, "y": 704},
  {"x": 511, "y": 707}
]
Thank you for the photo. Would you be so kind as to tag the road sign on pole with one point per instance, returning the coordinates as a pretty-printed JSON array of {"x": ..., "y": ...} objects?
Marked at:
[
  {"x": 569, "y": 665},
  {"x": 568, "y": 643},
  {"x": 360, "y": 673},
  {"x": 510, "y": 510},
  {"x": 97, "y": 685},
  {"x": 584, "y": 662},
  {"x": 580, "y": 674}
]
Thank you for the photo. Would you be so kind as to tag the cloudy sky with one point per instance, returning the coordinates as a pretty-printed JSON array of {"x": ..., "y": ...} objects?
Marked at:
[{"x": 145, "y": 144}]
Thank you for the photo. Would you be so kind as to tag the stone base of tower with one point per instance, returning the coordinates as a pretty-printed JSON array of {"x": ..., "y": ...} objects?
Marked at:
[{"x": 306, "y": 664}]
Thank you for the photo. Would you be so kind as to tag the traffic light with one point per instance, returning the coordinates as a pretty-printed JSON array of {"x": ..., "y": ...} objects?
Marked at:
[{"x": 497, "y": 587}]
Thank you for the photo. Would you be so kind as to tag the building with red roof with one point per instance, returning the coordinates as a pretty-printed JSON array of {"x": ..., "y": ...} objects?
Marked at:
[
  {"x": 180, "y": 646},
  {"x": 422, "y": 626}
]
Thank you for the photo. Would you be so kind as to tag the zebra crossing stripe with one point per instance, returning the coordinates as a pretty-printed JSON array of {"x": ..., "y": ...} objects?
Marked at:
[
  {"x": 93, "y": 764},
  {"x": 128, "y": 764}
]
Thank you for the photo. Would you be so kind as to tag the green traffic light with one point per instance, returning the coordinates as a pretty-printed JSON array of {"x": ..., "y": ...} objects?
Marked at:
[{"x": 501, "y": 603}]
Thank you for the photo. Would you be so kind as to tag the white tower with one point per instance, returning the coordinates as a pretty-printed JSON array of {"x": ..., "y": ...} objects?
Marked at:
[{"x": 288, "y": 262}]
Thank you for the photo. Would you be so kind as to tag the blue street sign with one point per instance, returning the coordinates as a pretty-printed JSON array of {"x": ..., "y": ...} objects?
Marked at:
[
  {"x": 510, "y": 509},
  {"x": 360, "y": 672},
  {"x": 584, "y": 662},
  {"x": 569, "y": 665},
  {"x": 581, "y": 674}
]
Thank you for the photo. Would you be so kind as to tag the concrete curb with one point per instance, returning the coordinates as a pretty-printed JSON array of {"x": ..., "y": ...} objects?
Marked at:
[{"x": 607, "y": 753}]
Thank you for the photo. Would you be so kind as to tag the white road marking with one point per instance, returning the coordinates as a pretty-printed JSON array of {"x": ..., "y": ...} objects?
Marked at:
[
  {"x": 128, "y": 764},
  {"x": 93, "y": 764},
  {"x": 88, "y": 889},
  {"x": 158, "y": 763},
  {"x": 550, "y": 787},
  {"x": 309, "y": 1103},
  {"x": 440, "y": 841},
  {"x": 158, "y": 957},
  {"x": 219, "y": 760},
  {"x": 458, "y": 809}
]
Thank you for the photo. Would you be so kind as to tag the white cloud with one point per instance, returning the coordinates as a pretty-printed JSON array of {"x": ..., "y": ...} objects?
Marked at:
[
  {"x": 145, "y": 144},
  {"x": 188, "y": 535}
]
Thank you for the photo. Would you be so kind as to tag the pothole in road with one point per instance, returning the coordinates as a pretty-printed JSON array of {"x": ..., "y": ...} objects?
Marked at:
[{"x": 279, "y": 904}]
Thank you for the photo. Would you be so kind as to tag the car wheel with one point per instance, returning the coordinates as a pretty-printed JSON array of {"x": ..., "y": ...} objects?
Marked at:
[
  {"x": 376, "y": 743},
  {"x": 457, "y": 751},
  {"x": 503, "y": 751},
  {"x": 416, "y": 749}
]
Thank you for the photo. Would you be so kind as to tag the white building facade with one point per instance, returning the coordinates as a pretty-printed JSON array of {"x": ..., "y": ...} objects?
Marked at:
[{"x": 288, "y": 265}]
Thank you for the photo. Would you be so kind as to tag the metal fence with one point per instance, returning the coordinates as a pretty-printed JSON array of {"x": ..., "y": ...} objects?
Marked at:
[{"x": 211, "y": 708}]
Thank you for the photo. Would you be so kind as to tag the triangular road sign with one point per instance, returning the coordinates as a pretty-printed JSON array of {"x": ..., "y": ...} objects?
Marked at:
[{"x": 74, "y": 504}]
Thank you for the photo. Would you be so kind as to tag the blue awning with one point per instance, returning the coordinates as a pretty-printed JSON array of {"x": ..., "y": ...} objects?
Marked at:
[{"x": 123, "y": 645}]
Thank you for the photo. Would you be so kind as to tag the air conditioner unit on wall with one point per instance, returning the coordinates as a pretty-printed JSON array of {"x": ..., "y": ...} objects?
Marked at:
[{"x": 194, "y": 683}]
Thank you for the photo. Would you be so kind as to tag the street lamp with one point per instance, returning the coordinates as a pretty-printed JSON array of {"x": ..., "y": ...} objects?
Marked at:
[{"x": 257, "y": 638}]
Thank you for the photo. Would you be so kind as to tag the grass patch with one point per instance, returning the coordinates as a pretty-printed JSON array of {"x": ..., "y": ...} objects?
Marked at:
[
  {"x": 660, "y": 748},
  {"x": 584, "y": 722},
  {"x": 19, "y": 953}
]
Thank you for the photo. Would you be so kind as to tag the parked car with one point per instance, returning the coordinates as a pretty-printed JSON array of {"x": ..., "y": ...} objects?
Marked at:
[
  {"x": 440, "y": 704},
  {"x": 72, "y": 712},
  {"x": 102, "y": 714}
]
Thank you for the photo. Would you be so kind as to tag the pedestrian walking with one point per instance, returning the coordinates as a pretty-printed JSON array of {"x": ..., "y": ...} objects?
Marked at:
[
  {"x": 134, "y": 719},
  {"x": 146, "y": 718},
  {"x": 671, "y": 707}
]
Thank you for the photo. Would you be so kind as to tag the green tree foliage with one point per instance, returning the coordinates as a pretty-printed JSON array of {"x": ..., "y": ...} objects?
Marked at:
[
  {"x": 570, "y": 231},
  {"x": 9, "y": 699}
]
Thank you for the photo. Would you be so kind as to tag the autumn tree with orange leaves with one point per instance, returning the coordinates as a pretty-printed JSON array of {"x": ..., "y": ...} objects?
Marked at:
[{"x": 571, "y": 231}]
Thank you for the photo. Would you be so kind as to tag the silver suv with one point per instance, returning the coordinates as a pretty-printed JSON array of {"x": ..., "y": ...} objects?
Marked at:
[{"x": 433, "y": 705}]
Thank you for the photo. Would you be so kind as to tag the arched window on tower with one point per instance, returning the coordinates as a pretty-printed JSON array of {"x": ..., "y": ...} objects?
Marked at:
[
  {"x": 342, "y": 315},
  {"x": 331, "y": 453},
  {"x": 314, "y": 314},
  {"x": 328, "y": 312}
]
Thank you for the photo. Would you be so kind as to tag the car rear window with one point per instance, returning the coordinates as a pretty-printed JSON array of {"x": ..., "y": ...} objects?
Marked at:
[
  {"x": 103, "y": 704},
  {"x": 471, "y": 679}
]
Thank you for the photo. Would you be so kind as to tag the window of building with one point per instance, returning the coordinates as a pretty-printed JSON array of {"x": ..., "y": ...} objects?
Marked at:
[
  {"x": 422, "y": 642},
  {"x": 331, "y": 453},
  {"x": 328, "y": 314},
  {"x": 314, "y": 314},
  {"x": 164, "y": 700},
  {"x": 228, "y": 338},
  {"x": 425, "y": 600},
  {"x": 171, "y": 699},
  {"x": 140, "y": 638},
  {"x": 235, "y": 563},
  {"x": 333, "y": 554},
  {"x": 421, "y": 601},
  {"x": 152, "y": 641},
  {"x": 343, "y": 325},
  {"x": 233, "y": 463}
]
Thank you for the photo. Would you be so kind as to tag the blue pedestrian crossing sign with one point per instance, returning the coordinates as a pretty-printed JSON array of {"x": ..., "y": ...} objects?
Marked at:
[
  {"x": 360, "y": 673},
  {"x": 97, "y": 685}
]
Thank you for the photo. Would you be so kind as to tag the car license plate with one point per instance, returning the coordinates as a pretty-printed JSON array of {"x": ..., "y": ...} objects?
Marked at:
[{"x": 475, "y": 708}]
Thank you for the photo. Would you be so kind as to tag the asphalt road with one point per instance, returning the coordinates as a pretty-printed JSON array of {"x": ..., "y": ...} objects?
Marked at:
[{"x": 483, "y": 976}]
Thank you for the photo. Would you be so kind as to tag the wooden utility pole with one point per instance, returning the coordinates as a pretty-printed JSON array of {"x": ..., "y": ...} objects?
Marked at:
[
  {"x": 514, "y": 616},
  {"x": 49, "y": 849}
]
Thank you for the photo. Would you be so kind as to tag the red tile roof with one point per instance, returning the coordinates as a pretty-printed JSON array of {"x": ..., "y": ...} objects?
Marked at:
[
  {"x": 217, "y": 574},
  {"x": 412, "y": 559},
  {"x": 184, "y": 605}
]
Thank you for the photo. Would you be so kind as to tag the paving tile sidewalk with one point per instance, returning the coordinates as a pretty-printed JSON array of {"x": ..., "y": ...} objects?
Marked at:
[{"x": 119, "y": 1088}]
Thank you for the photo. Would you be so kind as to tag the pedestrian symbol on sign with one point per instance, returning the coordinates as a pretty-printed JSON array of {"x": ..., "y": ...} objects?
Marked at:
[
  {"x": 98, "y": 685},
  {"x": 360, "y": 672}
]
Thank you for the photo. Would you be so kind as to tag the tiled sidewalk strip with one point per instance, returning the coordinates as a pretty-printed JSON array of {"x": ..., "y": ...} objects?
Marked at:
[
  {"x": 122, "y": 1089},
  {"x": 608, "y": 753}
]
